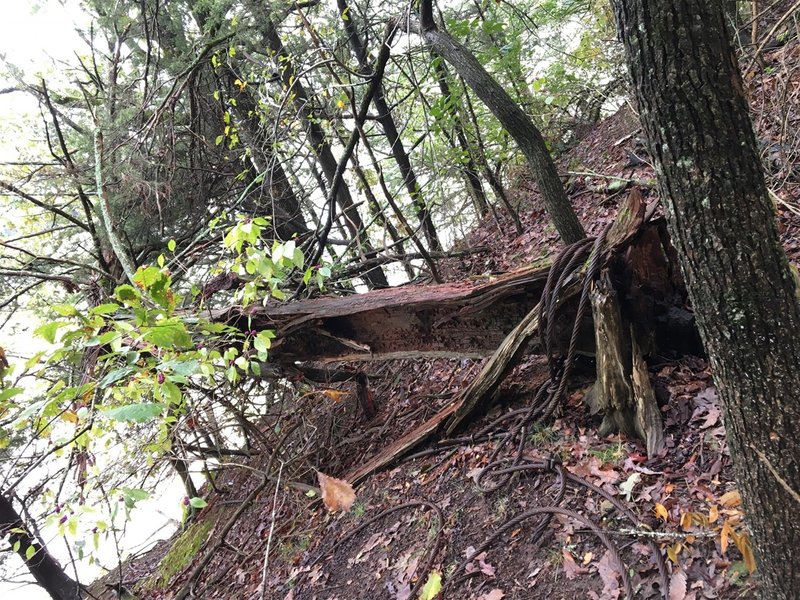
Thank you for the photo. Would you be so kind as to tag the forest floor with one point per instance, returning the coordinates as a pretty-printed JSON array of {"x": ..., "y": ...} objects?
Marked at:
[{"x": 685, "y": 499}]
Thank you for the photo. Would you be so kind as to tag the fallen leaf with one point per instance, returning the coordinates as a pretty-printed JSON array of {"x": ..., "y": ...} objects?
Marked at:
[
  {"x": 743, "y": 543},
  {"x": 626, "y": 487},
  {"x": 673, "y": 551},
  {"x": 495, "y": 594},
  {"x": 337, "y": 494},
  {"x": 713, "y": 514},
  {"x": 335, "y": 395},
  {"x": 730, "y": 499},
  {"x": 677, "y": 585},
  {"x": 662, "y": 512},
  {"x": 432, "y": 586},
  {"x": 376, "y": 539},
  {"x": 571, "y": 568},
  {"x": 610, "y": 576}
]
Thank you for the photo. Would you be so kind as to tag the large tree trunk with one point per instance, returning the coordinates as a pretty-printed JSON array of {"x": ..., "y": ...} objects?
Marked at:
[
  {"x": 722, "y": 223},
  {"x": 275, "y": 195},
  {"x": 389, "y": 127},
  {"x": 44, "y": 568},
  {"x": 513, "y": 118}
]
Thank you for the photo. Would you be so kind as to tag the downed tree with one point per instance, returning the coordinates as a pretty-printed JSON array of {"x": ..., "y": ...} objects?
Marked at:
[
  {"x": 465, "y": 320},
  {"x": 638, "y": 306}
]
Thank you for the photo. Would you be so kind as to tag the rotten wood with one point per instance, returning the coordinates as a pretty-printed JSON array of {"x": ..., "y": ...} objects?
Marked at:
[
  {"x": 456, "y": 320},
  {"x": 402, "y": 445},
  {"x": 622, "y": 392},
  {"x": 482, "y": 390}
]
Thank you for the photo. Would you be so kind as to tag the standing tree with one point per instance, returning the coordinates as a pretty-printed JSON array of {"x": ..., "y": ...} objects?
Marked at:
[
  {"x": 512, "y": 117},
  {"x": 44, "y": 568},
  {"x": 722, "y": 222}
]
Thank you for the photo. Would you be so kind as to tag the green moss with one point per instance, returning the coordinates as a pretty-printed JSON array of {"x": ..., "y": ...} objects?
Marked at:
[{"x": 180, "y": 555}]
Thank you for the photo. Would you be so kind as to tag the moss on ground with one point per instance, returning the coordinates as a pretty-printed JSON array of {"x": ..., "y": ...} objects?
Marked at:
[{"x": 181, "y": 553}]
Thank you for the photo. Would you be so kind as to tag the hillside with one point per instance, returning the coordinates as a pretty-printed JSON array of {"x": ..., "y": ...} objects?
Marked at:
[{"x": 559, "y": 526}]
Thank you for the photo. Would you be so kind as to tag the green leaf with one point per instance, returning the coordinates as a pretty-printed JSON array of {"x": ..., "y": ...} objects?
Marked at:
[
  {"x": 136, "y": 493},
  {"x": 48, "y": 330},
  {"x": 115, "y": 375},
  {"x": 65, "y": 310},
  {"x": 127, "y": 294},
  {"x": 148, "y": 276},
  {"x": 137, "y": 413},
  {"x": 184, "y": 368},
  {"x": 298, "y": 258},
  {"x": 29, "y": 552},
  {"x": 7, "y": 393},
  {"x": 169, "y": 335},
  {"x": 432, "y": 586},
  {"x": 198, "y": 502},
  {"x": 171, "y": 392},
  {"x": 171, "y": 245},
  {"x": 105, "y": 309},
  {"x": 263, "y": 341}
]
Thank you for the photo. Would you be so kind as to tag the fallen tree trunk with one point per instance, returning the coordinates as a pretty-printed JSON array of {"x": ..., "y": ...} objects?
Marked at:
[
  {"x": 452, "y": 320},
  {"x": 638, "y": 308}
]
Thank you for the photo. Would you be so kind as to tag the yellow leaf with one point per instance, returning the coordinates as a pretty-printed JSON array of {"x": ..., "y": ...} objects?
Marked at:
[
  {"x": 69, "y": 416},
  {"x": 730, "y": 499},
  {"x": 662, "y": 512},
  {"x": 686, "y": 521},
  {"x": 339, "y": 104},
  {"x": 743, "y": 543},
  {"x": 335, "y": 395},
  {"x": 432, "y": 586},
  {"x": 723, "y": 536},
  {"x": 337, "y": 494},
  {"x": 713, "y": 514},
  {"x": 673, "y": 551},
  {"x": 587, "y": 558}
]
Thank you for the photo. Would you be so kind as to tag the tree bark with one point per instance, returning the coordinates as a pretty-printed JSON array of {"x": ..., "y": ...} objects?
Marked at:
[
  {"x": 44, "y": 568},
  {"x": 722, "y": 223},
  {"x": 513, "y": 118}
]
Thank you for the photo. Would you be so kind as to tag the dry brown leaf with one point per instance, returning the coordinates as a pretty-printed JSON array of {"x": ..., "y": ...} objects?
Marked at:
[
  {"x": 677, "y": 585},
  {"x": 673, "y": 551},
  {"x": 713, "y": 514},
  {"x": 571, "y": 568},
  {"x": 607, "y": 569},
  {"x": 337, "y": 494},
  {"x": 662, "y": 512},
  {"x": 495, "y": 594},
  {"x": 730, "y": 499}
]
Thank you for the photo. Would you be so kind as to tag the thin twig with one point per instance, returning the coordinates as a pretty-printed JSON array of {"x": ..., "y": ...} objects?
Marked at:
[{"x": 271, "y": 531}]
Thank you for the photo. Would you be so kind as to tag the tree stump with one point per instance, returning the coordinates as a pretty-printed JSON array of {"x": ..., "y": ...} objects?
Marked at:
[{"x": 623, "y": 391}]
